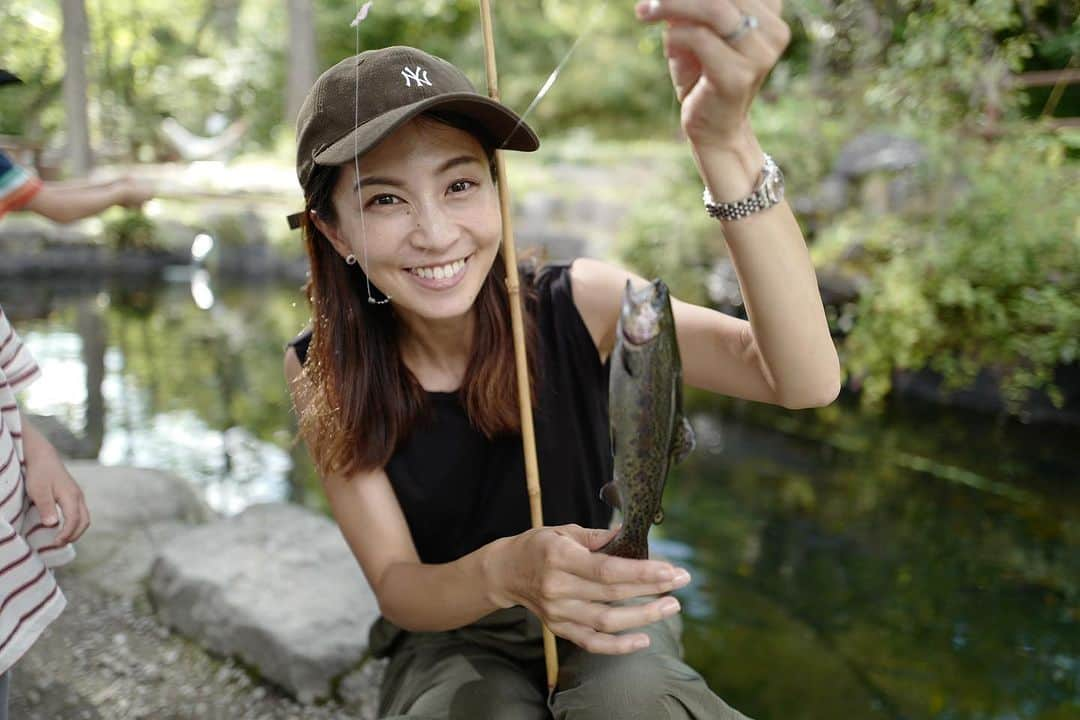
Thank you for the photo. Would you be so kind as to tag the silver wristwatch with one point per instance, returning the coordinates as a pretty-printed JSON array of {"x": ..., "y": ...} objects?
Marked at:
[{"x": 769, "y": 192}]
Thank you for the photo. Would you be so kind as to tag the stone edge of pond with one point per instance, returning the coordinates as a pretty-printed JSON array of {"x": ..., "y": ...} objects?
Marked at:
[{"x": 151, "y": 533}]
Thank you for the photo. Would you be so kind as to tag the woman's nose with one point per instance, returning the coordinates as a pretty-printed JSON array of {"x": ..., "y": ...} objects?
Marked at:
[{"x": 435, "y": 230}]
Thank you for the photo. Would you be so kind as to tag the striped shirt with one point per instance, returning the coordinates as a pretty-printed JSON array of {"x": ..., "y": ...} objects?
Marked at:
[
  {"x": 17, "y": 185},
  {"x": 29, "y": 596}
]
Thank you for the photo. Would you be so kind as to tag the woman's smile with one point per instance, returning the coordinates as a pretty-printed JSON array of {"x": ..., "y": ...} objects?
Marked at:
[{"x": 441, "y": 276}]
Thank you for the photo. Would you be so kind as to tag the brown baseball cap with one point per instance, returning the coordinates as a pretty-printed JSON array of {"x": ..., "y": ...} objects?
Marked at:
[{"x": 393, "y": 85}]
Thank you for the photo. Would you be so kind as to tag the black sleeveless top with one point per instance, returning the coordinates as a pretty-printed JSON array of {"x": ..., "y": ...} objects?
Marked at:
[{"x": 459, "y": 490}]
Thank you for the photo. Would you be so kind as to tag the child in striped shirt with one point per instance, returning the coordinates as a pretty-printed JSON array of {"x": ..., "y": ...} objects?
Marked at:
[{"x": 42, "y": 511}]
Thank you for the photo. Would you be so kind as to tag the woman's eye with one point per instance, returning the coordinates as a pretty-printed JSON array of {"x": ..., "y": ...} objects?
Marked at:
[
  {"x": 383, "y": 200},
  {"x": 461, "y": 186}
]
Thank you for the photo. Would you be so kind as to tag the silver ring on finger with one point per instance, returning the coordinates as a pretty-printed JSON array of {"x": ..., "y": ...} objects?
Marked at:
[{"x": 746, "y": 24}]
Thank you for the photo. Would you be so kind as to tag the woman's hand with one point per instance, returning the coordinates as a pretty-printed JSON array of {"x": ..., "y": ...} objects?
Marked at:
[
  {"x": 717, "y": 61},
  {"x": 555, "y": 573}
]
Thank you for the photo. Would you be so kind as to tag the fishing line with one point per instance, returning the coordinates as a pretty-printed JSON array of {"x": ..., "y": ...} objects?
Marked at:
[
  {"x": 554, "y": 76},
  {"x": 361, "y": 13}
]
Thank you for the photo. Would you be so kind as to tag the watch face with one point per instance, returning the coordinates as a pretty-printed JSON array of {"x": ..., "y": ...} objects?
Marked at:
[{"x": 774, "y": 185}]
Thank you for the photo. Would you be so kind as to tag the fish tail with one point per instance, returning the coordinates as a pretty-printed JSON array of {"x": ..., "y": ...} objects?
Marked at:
[{"x": 627, "y": 546}]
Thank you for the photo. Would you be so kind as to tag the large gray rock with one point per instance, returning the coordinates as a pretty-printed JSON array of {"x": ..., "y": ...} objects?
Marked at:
[
  {"x": 277, "y": 587},
  {"x": 133, "y": 512},
  {"x": 60, "y": 436},
  {"x": 878, "y": 151}
]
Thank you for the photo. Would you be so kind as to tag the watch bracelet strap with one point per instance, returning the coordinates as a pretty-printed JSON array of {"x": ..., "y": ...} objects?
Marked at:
[
  {"x": 757, "y": 201},
  {"x": 738, "y": 210}
]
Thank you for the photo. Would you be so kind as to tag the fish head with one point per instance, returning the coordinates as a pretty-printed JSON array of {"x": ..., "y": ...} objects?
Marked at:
[{"x": 645, "y": 311}]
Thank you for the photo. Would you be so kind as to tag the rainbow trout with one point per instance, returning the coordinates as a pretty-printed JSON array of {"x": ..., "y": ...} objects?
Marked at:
[{"x": 648, "y": 430}]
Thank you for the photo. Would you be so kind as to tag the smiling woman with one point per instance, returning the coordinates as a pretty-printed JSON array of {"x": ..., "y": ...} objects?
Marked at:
[
  {"x": 407, "y": 396},
  {"x": 422, "y": 208}
]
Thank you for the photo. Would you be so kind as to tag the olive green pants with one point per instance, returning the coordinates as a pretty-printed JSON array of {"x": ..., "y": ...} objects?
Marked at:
[{"x": 494, "y": 670}]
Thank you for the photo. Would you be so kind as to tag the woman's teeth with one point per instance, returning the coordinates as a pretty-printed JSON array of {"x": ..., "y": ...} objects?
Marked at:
[{"x": 439, "y": 272}]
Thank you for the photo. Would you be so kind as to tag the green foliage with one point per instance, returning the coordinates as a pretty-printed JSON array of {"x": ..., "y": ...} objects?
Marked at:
[
  {"x": 30, "y": 49},
  {"x": 933, "y": 60},
  {"x": 947, "y": 64},
  {"x": 616, "y": 79},
  {"x": 669, "y": 236},
  {"x": 991, "y": 282},
  {"x": 130, "y": 230}
]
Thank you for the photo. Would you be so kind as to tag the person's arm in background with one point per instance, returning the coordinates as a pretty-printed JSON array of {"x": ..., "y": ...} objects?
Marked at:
[{"x": 65, "y": 202}]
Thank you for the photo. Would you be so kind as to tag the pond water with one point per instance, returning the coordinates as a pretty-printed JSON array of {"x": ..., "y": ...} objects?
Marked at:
[{"x": 919, "y": 563}]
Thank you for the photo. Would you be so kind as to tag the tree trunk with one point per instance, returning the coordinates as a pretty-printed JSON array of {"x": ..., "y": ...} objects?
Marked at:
[
  {"x": 302, "y": 58},
  {"x": 76, "y": 39},
  {"x": 90, "y": 324}
]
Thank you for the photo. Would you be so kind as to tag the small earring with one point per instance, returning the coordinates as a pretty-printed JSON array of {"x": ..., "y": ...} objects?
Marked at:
[{"x": 350, "y": 259}]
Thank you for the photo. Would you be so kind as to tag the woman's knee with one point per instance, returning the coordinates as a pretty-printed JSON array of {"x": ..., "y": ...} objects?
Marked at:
[{"x": 631, "y": 686}]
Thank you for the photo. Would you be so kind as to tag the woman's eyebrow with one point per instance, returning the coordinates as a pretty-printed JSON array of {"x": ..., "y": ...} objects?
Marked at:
[
  {"x": 394, "y": 182},
  {"x": 459, "y": 160},
  {"x": 377, "y": 180}
]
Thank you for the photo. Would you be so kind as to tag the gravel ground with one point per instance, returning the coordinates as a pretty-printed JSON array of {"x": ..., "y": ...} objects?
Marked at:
[{"x": 111, "y": 659}]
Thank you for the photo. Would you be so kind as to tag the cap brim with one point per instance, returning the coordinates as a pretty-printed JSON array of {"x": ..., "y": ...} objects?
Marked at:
[{"x": 505, "y": 129}]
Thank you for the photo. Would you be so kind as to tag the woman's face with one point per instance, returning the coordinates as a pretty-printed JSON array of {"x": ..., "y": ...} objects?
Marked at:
[{"x": 423, "y": 221}]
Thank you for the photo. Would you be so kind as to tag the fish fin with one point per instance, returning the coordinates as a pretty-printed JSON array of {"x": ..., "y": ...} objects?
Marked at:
[
  {"x": 683, "y": 440},
  {"x": 610, "y": 494},
  {"x": 627, "y": 362},
  {"x": 658, "y": 517}
]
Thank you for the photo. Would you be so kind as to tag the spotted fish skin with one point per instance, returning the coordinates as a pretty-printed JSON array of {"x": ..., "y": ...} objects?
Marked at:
[{"x": 648, "y": 429}]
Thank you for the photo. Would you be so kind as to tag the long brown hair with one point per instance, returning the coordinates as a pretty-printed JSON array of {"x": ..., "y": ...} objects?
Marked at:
[{"x": 365, "y": 400}]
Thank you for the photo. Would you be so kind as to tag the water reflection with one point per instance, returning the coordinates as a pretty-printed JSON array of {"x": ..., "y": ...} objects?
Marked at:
[
  {"x": 201, "y": 292},
  {"x": 842, "y": 579},
  {"x": 921, "y": 564},
  {"x": 147, "y": 377}
]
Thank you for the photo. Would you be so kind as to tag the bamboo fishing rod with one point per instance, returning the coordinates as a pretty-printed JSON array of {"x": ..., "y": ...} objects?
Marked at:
[{"x": 528, "y": 435}]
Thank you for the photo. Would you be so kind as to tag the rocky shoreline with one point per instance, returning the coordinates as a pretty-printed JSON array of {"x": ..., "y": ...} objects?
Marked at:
[{"x": 115, "y": 651}]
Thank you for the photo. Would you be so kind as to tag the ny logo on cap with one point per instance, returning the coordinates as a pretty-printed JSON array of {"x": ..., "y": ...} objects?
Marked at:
[{"x": 419, "y": 75}]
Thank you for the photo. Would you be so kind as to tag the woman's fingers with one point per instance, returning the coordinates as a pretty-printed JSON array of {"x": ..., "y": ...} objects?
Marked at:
[
  {"x": 597, "y": 642},
  {"x": 723, "y": 17},
  {"x": 720, "y": 15},
  {"x": 612, "y": 619},
  {"x": 572, "y": 571},
  {"x": 612, "y": 570},
  {"x": 610, "y": 578},
  {"x": 602, "y": 628},
  {"x": 561, "y": 586},
  {"x": 589, "y": 538},
  {"x": 731, "y": 73}
]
